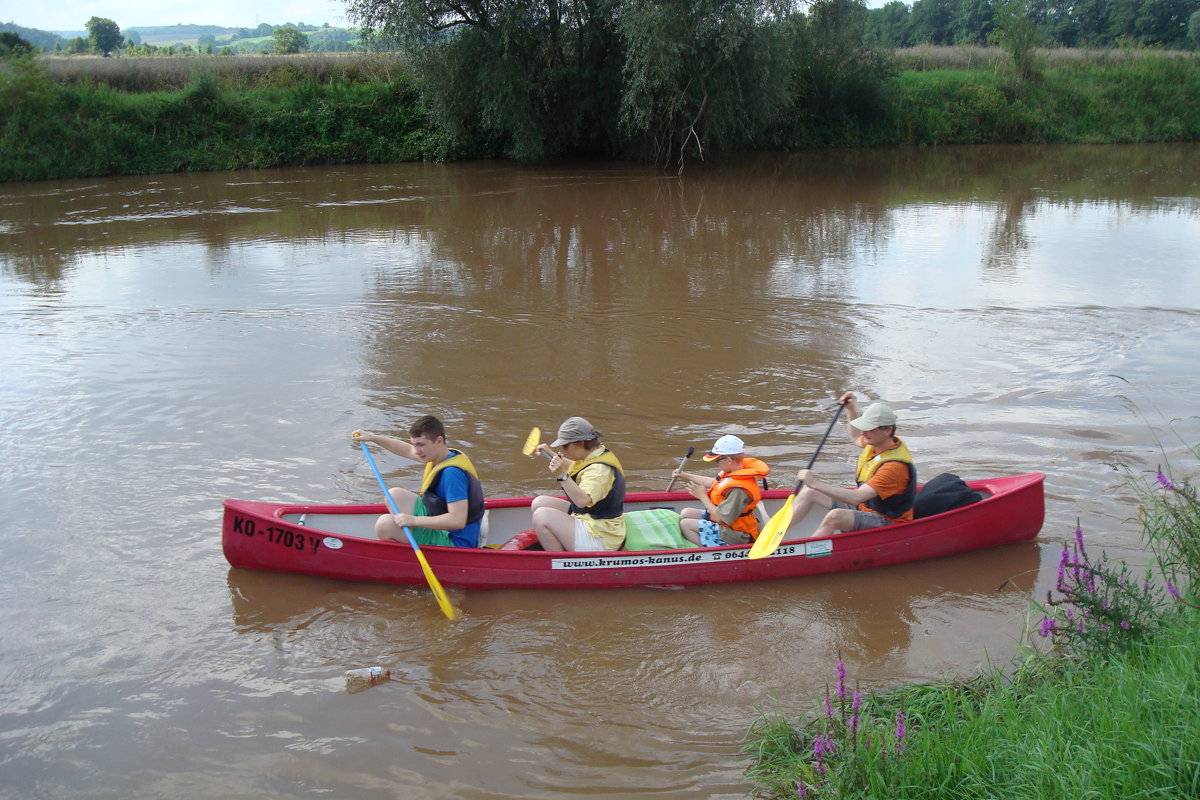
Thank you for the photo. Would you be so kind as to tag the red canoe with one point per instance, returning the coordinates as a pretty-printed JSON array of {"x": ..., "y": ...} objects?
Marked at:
[{"x": 337, "y": 542}]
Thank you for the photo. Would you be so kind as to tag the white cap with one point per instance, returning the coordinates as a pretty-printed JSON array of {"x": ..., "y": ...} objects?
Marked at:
[
  {"x": 725, "y": 446},
  {"x": 877, "y": 415}
]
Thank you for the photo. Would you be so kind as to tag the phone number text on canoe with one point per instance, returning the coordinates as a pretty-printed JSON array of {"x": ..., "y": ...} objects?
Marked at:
[{"x": 811, "y": 549}]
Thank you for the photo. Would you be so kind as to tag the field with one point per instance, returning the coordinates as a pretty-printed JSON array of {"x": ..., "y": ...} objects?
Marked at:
[{"x": 243, "y": 71}]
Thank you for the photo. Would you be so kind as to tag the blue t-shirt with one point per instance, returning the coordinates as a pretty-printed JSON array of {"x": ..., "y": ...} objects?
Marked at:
[{"x": 452, "y": 486}]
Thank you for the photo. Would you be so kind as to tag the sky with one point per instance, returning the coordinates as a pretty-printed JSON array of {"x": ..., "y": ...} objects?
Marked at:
[{"x": 70, "y": 15}]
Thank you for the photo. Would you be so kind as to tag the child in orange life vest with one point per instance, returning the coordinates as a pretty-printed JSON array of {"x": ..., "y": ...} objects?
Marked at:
[{"x": 729, "y": 499}]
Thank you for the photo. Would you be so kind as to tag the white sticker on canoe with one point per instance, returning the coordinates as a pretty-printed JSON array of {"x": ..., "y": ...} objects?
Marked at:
[
  {"x": 812, "y": 549},
  {"x": 332, "y": 543}
]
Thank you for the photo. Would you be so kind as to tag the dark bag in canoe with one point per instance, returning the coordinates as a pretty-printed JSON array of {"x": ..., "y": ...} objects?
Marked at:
[{"x": 944, "y": 493}]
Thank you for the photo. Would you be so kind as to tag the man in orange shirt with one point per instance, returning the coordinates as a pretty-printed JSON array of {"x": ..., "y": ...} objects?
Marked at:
[{"x": 887, "y": 479}]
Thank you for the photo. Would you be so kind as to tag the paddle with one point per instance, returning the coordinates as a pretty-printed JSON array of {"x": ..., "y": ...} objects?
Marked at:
[
  {"x": 770, "y": 537},
  {"x": 682, "y": 461},
  {"x": 532, "y": 441},
  {"x": 439, "y": 594}
]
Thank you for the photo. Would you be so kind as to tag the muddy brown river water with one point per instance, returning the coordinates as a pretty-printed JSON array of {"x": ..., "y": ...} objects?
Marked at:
[{"x": 169, "y": 341}]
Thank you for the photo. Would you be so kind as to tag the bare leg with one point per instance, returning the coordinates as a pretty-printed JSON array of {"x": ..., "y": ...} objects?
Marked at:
[
  {"x": 690, "y": 528},
  {"x": 386, "y": 527},
  {"x": 546, "y": 501},
  {"x": 805, "y": 500},
  {"x": 839, "y": 519},
  {"x": 555, "y": 528}
]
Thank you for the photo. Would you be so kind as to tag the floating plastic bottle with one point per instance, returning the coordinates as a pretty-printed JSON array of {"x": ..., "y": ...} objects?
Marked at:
[{"x": 365, "y": 677}]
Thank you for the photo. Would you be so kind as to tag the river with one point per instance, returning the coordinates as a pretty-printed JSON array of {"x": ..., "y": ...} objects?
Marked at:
[{"x": 170, "y": 341}]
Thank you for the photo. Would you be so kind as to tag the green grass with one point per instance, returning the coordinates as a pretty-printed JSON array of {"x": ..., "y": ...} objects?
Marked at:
[
  {"x": 1124, "y": 729},
  {"x": 55, "y": 131},
  {"x": 1148, "y": 99}
]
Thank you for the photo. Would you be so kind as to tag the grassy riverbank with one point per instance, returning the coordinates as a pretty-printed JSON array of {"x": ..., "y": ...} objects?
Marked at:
[
  {"x": 267, "y": 114},
  {"x": 1111, "y": 712}
]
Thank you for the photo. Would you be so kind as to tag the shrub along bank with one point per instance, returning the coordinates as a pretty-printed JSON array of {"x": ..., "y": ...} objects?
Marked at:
[{"x": 49, "y": 129}]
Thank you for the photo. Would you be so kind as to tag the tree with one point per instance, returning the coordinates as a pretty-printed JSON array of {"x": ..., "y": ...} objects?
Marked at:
[
  {"x": 104, "y": 35},
  {"x": 889, "y": 26},
  {"x": 76, "y": 46},
  {"x": 1194, "y": 29},
  {"x": 1019, "y": 35},
  {"x": 972, "y": 22},
  {"x": 1163, "y": 22},
  {"x": 931, "y": 21},
  {"x": 289, "y": 40},
  {"x": 13, "y": 45},
  {"x": 205, "y": 42}
]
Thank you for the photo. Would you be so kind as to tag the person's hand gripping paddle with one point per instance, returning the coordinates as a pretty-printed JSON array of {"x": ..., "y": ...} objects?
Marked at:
[
  {"x": 769, "y": 538},
  {"x": 439, "y": 593},
  {"x": 682, "y": 462}
]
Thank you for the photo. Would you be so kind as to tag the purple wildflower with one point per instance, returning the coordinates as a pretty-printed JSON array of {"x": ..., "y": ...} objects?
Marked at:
[
  {"x": 1061, "y": 585},
  {"x": 801, "y": 789},
  {"x": 1079, "y": 542},
  {"x": 1125, "y": 625},
  {"x": 1047, "y": 627},
  {"x": 901, "y": 731},
  {"x": 1164, "y": 481},
  {"x": 828, "y": 708},
  {"x": 853, "y": 725},
  {"x": 841, "y": 681},
  {"x": 856, "y": 702},
  {"x": 1171, "y": 590}
]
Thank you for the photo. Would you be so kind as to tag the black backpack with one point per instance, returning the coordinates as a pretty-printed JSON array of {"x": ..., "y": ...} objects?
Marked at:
[{"x": 944, "y": 493}]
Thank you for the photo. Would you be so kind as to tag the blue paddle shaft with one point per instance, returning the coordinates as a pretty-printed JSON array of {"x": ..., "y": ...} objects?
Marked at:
[{"x": 391, "y": 501}]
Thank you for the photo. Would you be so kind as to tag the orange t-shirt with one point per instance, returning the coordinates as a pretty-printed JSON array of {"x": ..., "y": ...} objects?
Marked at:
[{"x": 891, "y": 478}]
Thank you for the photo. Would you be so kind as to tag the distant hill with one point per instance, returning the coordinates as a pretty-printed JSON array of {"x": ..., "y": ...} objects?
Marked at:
[
  {"x": 321, "y": 37},
  {"x": 44, "y": 40}
]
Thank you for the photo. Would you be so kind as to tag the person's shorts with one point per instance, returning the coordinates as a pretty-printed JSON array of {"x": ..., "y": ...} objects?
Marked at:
[
  {"x": 428, "y": 535},
  {"x": 863, "y": 520},
  {"x": 713, "y": 535},
  {"x": 585, "y": 539}
]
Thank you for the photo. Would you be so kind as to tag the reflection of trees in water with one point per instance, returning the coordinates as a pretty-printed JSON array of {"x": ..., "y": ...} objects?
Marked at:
[
  {"x": 1009, "y": 240},
  {"x": 734, "y": 217}
]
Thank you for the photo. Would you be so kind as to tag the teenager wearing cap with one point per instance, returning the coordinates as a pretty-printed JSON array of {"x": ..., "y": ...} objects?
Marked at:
[
  {"x": 729, "y": 499},
  {"x": 591, "y": 477},
  {"x": 887, "y": 479},
  {"x": 448, "y": 507}
]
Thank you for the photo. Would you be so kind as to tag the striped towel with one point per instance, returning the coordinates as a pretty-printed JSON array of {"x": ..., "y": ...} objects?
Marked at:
[{"x": 654, "y": 529}]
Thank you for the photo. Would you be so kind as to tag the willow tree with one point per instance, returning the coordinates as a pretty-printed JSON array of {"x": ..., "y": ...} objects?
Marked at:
[
  {"x": 660, "y": 79},
  {"x": 522, "y": 78},
  {"x": 702, "y": 72}
]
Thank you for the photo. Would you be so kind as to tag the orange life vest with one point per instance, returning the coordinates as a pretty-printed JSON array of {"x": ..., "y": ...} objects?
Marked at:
[{"x": 747, "y": 479}]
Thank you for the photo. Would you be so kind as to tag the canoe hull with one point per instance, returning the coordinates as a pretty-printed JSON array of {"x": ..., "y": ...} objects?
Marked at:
[{"x": 270, "y": 536}]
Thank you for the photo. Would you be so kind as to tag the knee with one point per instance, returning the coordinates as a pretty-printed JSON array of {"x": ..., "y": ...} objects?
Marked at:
[{"x": 385, "y": 528}]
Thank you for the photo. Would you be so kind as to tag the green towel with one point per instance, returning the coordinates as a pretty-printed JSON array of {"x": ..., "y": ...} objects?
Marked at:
[{"x": 654, "y": 529}]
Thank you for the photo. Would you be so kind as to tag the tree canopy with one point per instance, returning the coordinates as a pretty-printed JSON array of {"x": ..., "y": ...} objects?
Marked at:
[
  {"x": 1078, "y": 23},
  {"x": 659, "y": 79},
  {"x": 289, "y": 40},
  {"x": 104, "y": 35}
]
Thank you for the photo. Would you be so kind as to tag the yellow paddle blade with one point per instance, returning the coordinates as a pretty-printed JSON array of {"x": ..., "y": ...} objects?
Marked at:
[
  {"x": 435, "y": 585},
  {"x": 532, "y": 441},
  {"x": 770, "y": 536}
]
